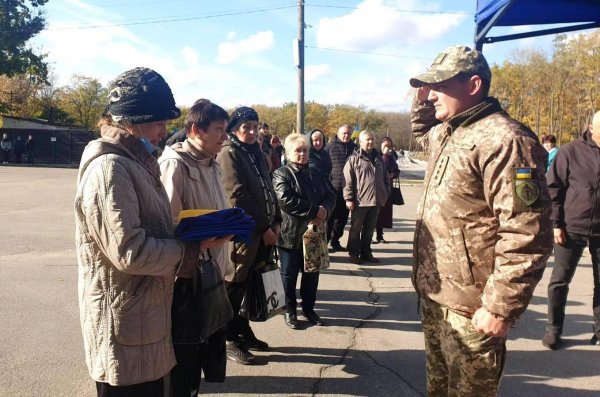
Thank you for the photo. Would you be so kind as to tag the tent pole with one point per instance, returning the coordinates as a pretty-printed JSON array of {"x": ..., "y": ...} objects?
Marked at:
[
  {"x": 540, "y": 32},
  {"x": 480, "y": 34}
]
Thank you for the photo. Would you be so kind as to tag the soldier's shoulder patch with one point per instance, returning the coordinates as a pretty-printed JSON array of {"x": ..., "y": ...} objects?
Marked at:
[
  {"x": 526, "y": 190},
  {"x": 523, "y": 173}
]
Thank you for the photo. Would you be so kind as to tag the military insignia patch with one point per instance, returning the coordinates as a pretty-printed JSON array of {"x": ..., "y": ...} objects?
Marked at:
[
  {"x": 440, "y": 58},
  {"x": 523, "y": 173},
  {"x": 527, "y": 191}
]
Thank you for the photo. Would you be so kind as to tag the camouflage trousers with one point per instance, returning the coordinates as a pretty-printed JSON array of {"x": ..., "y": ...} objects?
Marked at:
[{"x": 460, "y": 360}]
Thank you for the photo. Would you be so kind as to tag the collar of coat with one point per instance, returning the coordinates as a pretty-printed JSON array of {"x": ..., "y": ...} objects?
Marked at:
[
  {"x": 480, "y": 111},
  {"x": 253, "y": 148},
  {"x": 371, "y": 156},
  {"x": 586, "y": 137},
  {"x": 131, "y": 145},
  {"x": 197, "y": 153}
]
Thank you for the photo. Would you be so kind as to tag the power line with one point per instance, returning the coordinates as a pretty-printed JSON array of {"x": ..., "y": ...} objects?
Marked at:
[
  {"x": 144, "y": 3},
  {"x": 174, "y": 19},
  {"x": 367, "y": 53},
  {"x": 141, "y": 3},
  {"x": 390, "y": 9}
]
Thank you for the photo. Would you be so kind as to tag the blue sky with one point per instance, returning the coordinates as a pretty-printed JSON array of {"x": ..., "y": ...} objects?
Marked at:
[{"x": 239, "y": 52}]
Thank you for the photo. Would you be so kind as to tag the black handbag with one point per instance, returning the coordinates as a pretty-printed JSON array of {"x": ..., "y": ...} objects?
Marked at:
[
  {"x": 264, "y": 296},
  {"x": 200, "y": 304},
  {"x": 396, "y": 194}
]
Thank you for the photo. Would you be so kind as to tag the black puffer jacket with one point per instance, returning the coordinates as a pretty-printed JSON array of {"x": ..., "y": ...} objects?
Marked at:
[
  {"x": 300, "y": 191},
  {"x": 574, "y": 185},
  {"x": 339, "y": 153}
]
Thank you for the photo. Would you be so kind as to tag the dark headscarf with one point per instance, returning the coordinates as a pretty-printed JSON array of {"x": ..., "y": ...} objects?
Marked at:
[{"x": 240, "y": 116}]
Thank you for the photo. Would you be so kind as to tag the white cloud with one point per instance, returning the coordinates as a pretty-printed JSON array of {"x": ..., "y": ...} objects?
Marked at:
[
  {"x": 189, "y": 55},
  {"x": 231, "y": 51},
  {"x": 315, "y": 72},
  {"x": 379, "y": 23}
]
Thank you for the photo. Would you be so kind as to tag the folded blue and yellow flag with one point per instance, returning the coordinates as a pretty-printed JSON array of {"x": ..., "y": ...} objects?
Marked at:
[{"x": 198, "y": 225}]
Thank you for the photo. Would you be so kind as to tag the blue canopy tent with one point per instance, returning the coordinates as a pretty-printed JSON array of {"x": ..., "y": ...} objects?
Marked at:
[{"x": 582, "y": 14}]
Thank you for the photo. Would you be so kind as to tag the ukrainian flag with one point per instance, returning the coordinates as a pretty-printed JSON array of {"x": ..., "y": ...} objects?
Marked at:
[{"x": 523, "y": 173}]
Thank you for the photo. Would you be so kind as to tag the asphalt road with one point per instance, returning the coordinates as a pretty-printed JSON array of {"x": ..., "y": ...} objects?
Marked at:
[{"x": 371, "y": 345}]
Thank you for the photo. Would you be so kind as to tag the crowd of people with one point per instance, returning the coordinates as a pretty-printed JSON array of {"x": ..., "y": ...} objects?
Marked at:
[
  {"x": 15, "y": 149},
  {"x": 486, "y": 224}
]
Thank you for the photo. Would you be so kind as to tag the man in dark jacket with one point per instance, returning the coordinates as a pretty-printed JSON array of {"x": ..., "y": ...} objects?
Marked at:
[
  {"x": 339, "y": 149},
  {"x": 573, "y": 182},
  {"x": 29, "y": 148},
  {"x": 19, "y": 149}
]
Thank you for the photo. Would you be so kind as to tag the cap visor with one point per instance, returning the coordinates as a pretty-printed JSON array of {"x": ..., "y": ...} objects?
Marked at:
[{"x": 433, "y": 77}]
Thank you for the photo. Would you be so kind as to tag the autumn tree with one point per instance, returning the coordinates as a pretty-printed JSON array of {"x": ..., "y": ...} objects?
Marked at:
[
  {"x": 553, "y": 94},
  {"x": 84, "y": 99},
  {"x": 316, "y": 116}
]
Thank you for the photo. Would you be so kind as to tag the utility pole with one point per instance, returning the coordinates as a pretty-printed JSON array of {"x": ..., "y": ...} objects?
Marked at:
[{"x": 300, "y": 64}]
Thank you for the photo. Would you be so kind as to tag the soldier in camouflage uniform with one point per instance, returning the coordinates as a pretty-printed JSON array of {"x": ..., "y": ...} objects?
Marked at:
[{"x": 483, "y": 232}]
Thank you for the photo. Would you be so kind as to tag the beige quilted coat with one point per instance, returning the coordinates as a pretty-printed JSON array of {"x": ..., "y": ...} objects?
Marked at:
[{"x": 127, "y": 259}]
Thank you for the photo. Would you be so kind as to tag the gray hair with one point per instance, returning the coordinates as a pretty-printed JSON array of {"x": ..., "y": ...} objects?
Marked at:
[
  {"x": 294, "y": 140},
  {"x": 317, "y": 132},
  {"x": 364, "y": 133}
]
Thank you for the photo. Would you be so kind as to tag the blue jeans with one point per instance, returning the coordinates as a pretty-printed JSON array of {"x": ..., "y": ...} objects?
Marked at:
[
  {"x": 566, "y": 259},
  {"x": 292, "y": 263}
]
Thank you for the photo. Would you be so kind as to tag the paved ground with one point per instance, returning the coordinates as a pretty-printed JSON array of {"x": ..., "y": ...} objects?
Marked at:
[{"x": 372, "y": 344}]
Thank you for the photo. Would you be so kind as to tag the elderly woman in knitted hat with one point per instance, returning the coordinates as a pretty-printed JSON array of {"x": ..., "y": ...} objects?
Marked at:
[
  {"x": 248, "y": 186},
  {"x": 127, "y": 254}
]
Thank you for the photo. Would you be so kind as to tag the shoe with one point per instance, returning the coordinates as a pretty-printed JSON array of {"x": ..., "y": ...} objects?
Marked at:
[
  {"x": 312, "y": 317},
  {"x": 551, "y": 340},
  {"x": 336, "y": 246},
  {"x": 291, "y": 320},
  {"x": 375, "y": 241},
  {"x": 594, "y": 341},
  {"x": 238, "y": 354},
  {"x": 251, "y": 342},
  {"x": 382, "y": 241},
  {"x": 369, "y": 258},
  {"x": 355, "y": 259}
]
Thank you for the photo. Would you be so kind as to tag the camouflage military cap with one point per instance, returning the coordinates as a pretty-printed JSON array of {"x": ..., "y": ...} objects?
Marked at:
[{"x": 452, "y": 61}]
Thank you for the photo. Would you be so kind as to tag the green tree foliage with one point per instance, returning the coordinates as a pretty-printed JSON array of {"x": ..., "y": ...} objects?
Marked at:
[
  {"x": 553, "y": 94},
  {"x": 175, "y": 125},
  {"x": 19, "y": 22}
]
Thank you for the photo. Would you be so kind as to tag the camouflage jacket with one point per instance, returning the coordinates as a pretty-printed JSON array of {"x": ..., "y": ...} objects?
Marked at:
[{"x": 483, "y": 232}]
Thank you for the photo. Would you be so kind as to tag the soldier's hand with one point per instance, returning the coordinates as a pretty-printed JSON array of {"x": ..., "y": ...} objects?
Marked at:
[
  {"x": 484, "y": 321},
  {"x": 422, "y": 93},
  {"x": 350, "y": 205},
  {"x": 559, "y": 236}
]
